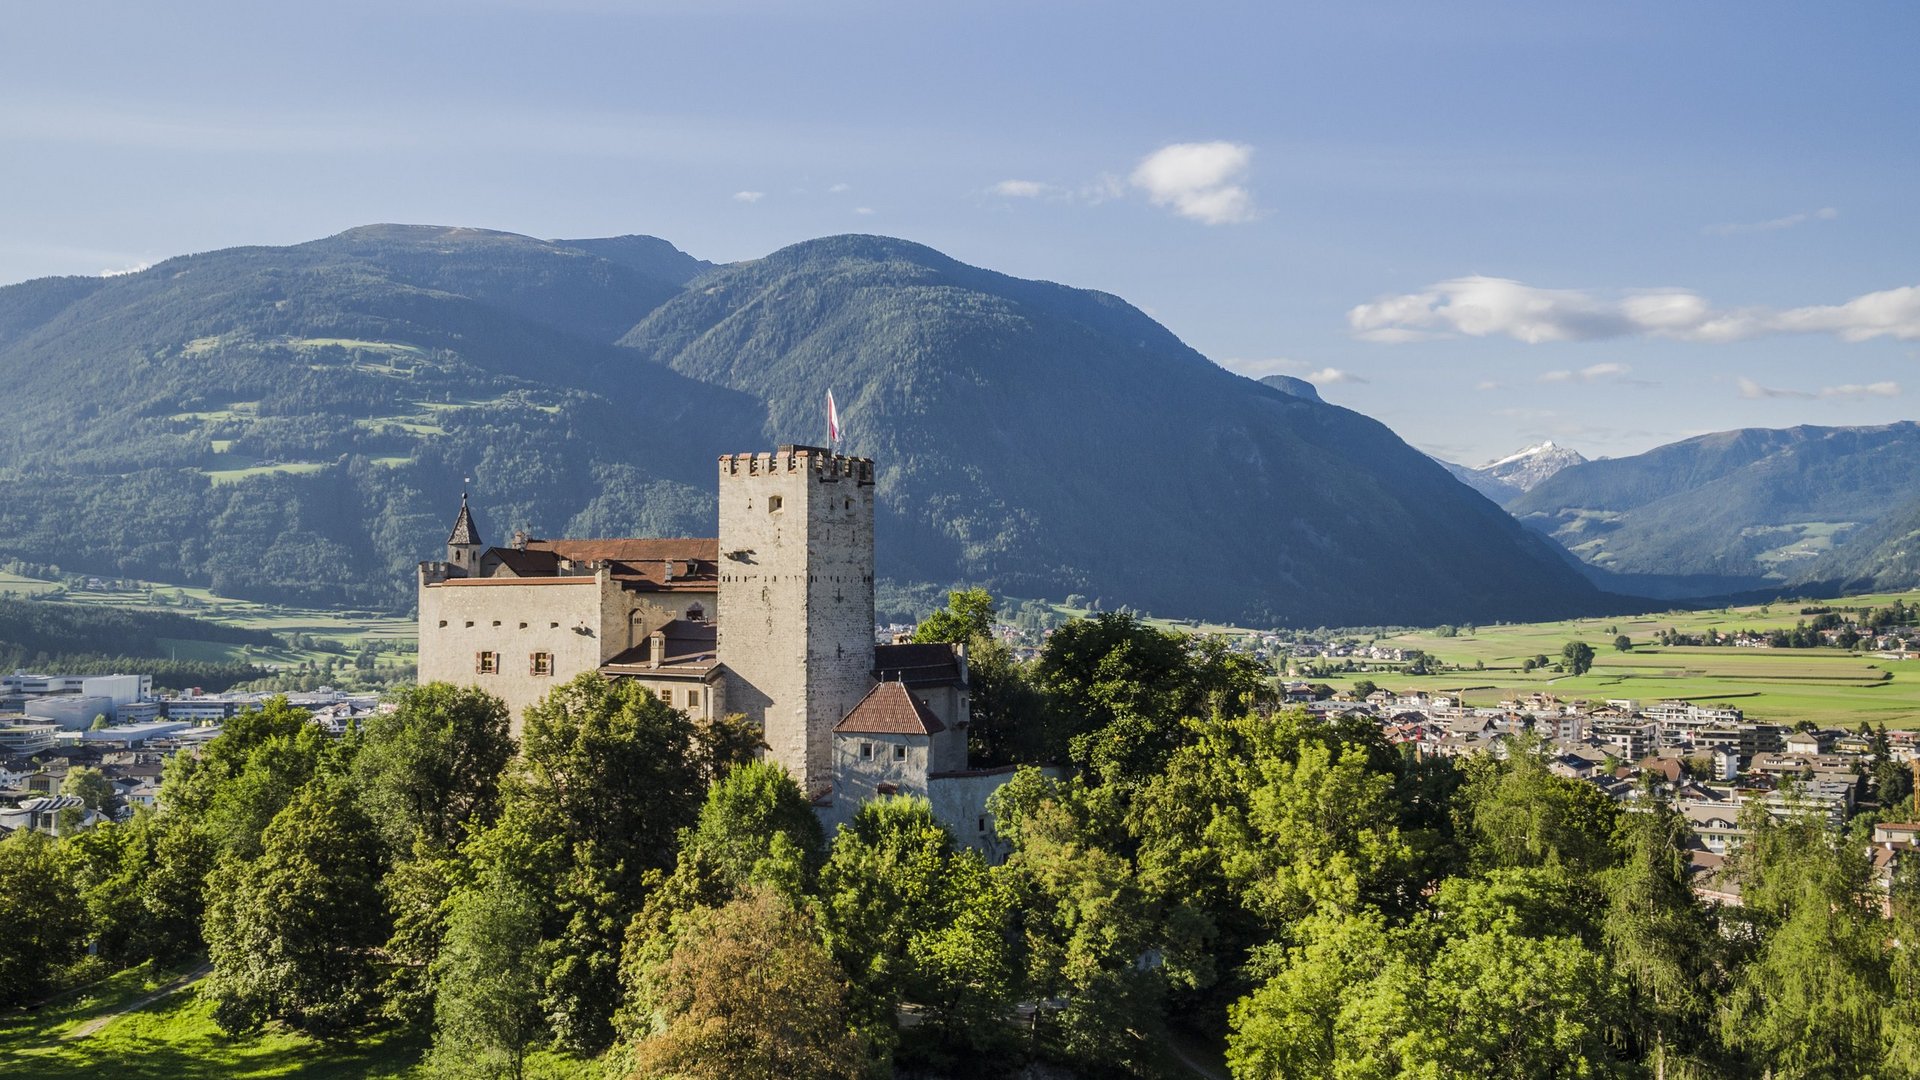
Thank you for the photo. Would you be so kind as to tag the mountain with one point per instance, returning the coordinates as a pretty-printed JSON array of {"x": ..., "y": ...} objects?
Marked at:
[
  {"x": 292, "y": 424},
  {"x": 1500, "y": 491},
  {"x": 1528, "y": 468},
  {"x": 1049, "y": 440},
  {"x": 1745, "y": 508},
  {"x": 1299, "y": 388}
]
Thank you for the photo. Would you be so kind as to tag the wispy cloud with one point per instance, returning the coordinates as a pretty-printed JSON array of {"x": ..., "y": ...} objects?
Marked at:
[
  {"x": 125, "y": 270},
  {"x": 863, "y": 210},
  {"x": 1585, "y": 374},
  {"x": 1025, "y": 189},
  {"x": 1754, "y": 391},
  {"x": 1262, "y": 366},
  {"x": 1201, "y": 181},
  {"x": 1328, "y": 376},
  {"x": 839, "y": 188},
  {"x": 1489, "y": 384},
  {"x": 1487, "y": 306},
  {"x": 1825, "y": 213},
  {"x": 748, "y": 196}
]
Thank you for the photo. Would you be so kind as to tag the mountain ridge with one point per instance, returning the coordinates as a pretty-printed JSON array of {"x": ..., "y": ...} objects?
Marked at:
[{"x": 287, "y": 422}]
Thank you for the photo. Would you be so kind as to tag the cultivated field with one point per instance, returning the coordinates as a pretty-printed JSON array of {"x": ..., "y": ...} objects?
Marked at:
[{"x": 1827, "y": 686}]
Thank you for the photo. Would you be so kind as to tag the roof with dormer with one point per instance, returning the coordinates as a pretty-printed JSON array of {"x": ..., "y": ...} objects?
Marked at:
[
  {"x": 890, "y": 709},
  {"x": 465, "y": 532}
]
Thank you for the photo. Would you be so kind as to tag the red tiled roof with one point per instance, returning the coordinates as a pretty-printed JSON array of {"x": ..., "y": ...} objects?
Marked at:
[
  {"x": 890, "y": 709},
  {"x": 647, "y": 564}
]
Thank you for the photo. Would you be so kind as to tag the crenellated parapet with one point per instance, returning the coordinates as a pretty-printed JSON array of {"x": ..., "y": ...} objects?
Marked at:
[{"x": 824, "y": 463}]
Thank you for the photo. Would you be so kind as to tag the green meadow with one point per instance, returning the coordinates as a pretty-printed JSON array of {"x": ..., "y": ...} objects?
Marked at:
[
  {"x": 1828, "y": 686},
  {"x": 123, "y": 1027}
]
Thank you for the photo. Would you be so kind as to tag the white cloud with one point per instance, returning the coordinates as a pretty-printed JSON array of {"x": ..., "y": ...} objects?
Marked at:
[
  {"x": 1489, "y": 384},
  {"x": 1879, "y": 389},
  {"x": 863, "y": 210},
  {"x": 1024, "y": 189},
  {"x": 1585, "y": 374},
  {"x": 1328, "y": 376},
  {"x": 749, "y": 196},
  {"x": 1202, "y": 181},
  {"x": 124, "y": 271},
  {"x": 1825, "y": 213},
  {"x": 1753, "y": 390},
  {"x": 1486, "y": 306},
  {"x": 838, "y": 188}
]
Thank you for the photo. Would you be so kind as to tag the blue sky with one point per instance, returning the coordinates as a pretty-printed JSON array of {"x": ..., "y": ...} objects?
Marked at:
[{"x": 1612, "y": 225}]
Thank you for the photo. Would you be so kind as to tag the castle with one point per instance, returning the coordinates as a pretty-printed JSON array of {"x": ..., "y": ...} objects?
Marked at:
[{"x": 773, "y": 619}]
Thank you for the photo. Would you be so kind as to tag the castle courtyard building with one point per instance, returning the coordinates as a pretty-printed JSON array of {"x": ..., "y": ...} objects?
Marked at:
[{"x": 773, "y": 619}]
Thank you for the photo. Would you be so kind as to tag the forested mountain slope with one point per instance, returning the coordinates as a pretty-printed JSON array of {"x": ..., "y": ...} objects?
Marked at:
[
  {"x": 294, "y": 423},
  {"x": 1786, "y": 505}
]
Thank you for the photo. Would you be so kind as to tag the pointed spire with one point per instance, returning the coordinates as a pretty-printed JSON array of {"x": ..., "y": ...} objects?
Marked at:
[{"x": 465, "y": 532}]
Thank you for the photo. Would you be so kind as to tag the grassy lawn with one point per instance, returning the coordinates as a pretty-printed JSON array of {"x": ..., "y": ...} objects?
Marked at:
[
  {"x": 234, "y": 476},
  {"x": 175, "y": 1037}
]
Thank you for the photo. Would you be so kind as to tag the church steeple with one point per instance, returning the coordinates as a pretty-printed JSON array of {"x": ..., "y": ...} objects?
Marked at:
[{"x": 463, "y": 544}]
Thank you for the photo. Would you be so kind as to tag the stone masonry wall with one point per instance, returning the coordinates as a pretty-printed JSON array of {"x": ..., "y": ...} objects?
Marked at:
[{"x": 796, "y": 589}]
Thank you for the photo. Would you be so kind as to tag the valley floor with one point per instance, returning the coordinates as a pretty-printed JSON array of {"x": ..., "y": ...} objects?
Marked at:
[{"x": 1831, "y": 687}]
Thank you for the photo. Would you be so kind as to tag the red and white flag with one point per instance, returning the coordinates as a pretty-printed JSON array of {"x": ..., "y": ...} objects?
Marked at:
[{"x": 833, "y": 420}]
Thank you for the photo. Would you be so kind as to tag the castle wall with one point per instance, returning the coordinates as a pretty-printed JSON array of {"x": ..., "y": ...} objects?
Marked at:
[
  {"x": 796, "y": 587},
  {"x": 513, "y": 618}
]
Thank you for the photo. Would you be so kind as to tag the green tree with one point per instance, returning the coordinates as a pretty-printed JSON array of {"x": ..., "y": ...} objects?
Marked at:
[
  {"x": 95, "y": 790},
  {"x": 487, "y": 1007},
  {"x": 969, "y": 614},
  {"x": 44, "y": 919},
  {"x": 1514, "y": 813},
  {"x": 1496, "y": 986},
  {"x": 1662, "y": 942},
  {"x": 1622, "y": 643},
  {"x": 749, "y": 994},
  {"x": 608, "y": 775},
  {"x": 1902, "y": 1024},
  {"x": 915, "y": 919},
  {"x": 430, "y": 769},
  {"x": 1084, "y": 922},
  {"x": 1576, "y": 657},
  {"x": 1809, "y": 1003},
  {"x": 291, "y": 933},
  {"x": 247, "y": 774}
]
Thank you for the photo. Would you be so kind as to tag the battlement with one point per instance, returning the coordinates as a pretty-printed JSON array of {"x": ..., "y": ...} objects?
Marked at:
[{"x": 824, "y": 463}]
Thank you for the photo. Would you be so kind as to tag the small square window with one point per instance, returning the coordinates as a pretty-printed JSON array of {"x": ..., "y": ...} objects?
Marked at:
[
  {"x": 443, "y": 624},
  {"x": 487, "y": 663},
  {"x": 899, "y": 752},
  {"x": 469, "y": 624},
  {"x": 666, "y": 696},
  {"x": 866, "y": 751},
  {"x": 540, "y": 663}
]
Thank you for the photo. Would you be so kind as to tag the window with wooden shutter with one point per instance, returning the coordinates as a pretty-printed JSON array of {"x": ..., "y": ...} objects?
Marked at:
[
  {"x": 540, "y": 663},
  {"x": 487, "y": 663}
]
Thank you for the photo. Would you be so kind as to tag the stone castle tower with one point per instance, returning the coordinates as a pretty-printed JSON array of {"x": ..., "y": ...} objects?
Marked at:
[{"x": 796, "y": 597}]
